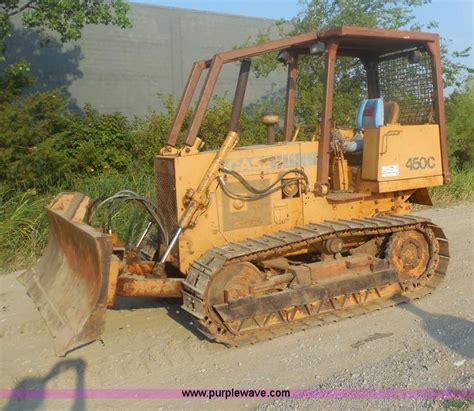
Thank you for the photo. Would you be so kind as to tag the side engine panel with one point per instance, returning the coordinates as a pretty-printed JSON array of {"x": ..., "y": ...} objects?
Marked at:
[{"x": 226, "y": 219}]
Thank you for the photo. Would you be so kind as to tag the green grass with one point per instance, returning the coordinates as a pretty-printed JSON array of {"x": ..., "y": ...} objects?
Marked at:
[
  {"x": 458, "y": 404},
  {"x": 460, "y": 189},
  {"x": 23, "y": 228},
  {"x": 128, "y": 220}
]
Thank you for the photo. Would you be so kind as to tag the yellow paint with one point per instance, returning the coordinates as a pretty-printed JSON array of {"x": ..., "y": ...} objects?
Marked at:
[
  {"x": 389, "y": 151},
  {"x": 228, "y": 220}
]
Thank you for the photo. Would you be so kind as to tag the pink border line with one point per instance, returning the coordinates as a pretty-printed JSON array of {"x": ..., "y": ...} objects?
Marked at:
[
  {"x": 387, "y": 393},
  {"x": 367, "y": 394}
]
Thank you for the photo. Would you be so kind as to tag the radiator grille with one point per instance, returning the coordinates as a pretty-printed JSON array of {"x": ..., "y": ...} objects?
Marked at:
[{"x": 166, "y": 192}]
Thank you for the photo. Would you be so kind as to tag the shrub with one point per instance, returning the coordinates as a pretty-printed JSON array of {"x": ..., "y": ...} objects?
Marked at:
[
  {"x": 43, "y": 144},
  {"x": 150, "y": 132},
  {"x": 460, "y": 127}
]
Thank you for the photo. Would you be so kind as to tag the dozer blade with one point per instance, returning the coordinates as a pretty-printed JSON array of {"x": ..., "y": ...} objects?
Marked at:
[{"x": 69, "y": 283}]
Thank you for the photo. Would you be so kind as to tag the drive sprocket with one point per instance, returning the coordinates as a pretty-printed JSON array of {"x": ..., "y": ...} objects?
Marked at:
[{"x": 412, "y": 254}]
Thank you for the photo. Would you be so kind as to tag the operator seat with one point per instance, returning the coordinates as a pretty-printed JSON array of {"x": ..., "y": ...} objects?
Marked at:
[
  {"x": 372, "y": 113},
  {"x": 391, "y": 111},
  {"x": 375, "y": 112}
]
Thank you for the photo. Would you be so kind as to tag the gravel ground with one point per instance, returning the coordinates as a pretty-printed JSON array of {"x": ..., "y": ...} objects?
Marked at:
[
  {"x": 150, "y": 344},
  {"x": 409, "y": 368}
]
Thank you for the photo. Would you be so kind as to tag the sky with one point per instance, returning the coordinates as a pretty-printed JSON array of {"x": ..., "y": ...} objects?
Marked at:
[{"x": 455, "y": 17}]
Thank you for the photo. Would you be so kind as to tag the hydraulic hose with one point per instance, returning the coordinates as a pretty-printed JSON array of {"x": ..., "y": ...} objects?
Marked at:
[{"x": 258, "y": 194}]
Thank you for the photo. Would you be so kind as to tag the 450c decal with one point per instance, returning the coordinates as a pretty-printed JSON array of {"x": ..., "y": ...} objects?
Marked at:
[{"x": 420, "y": 163}]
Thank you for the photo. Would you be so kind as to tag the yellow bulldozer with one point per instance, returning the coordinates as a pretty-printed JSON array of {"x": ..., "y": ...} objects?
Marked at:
[{"x": 263, "y": 240}]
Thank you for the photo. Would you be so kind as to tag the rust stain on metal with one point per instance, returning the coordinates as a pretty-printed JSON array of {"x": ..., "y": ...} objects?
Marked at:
[
  {"x": 151, "y": 287},
  {"x": 69, "y": 283}
]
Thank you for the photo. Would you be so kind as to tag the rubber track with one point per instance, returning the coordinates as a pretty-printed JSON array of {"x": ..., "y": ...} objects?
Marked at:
[{"x": 279, "y": 244}]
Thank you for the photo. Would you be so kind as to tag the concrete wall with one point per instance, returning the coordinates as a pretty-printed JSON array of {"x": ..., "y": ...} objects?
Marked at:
[{"x": 124, "y": 70}]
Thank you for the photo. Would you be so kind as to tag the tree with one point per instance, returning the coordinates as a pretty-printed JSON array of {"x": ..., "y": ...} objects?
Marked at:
[
  {"x": 460, "y": 127},
  {"x": 350, "y": 81},
  {"x": 65, "y": 17},
  {"x": 41, "y": 141},
  {"x": 15, "y": 78}
]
